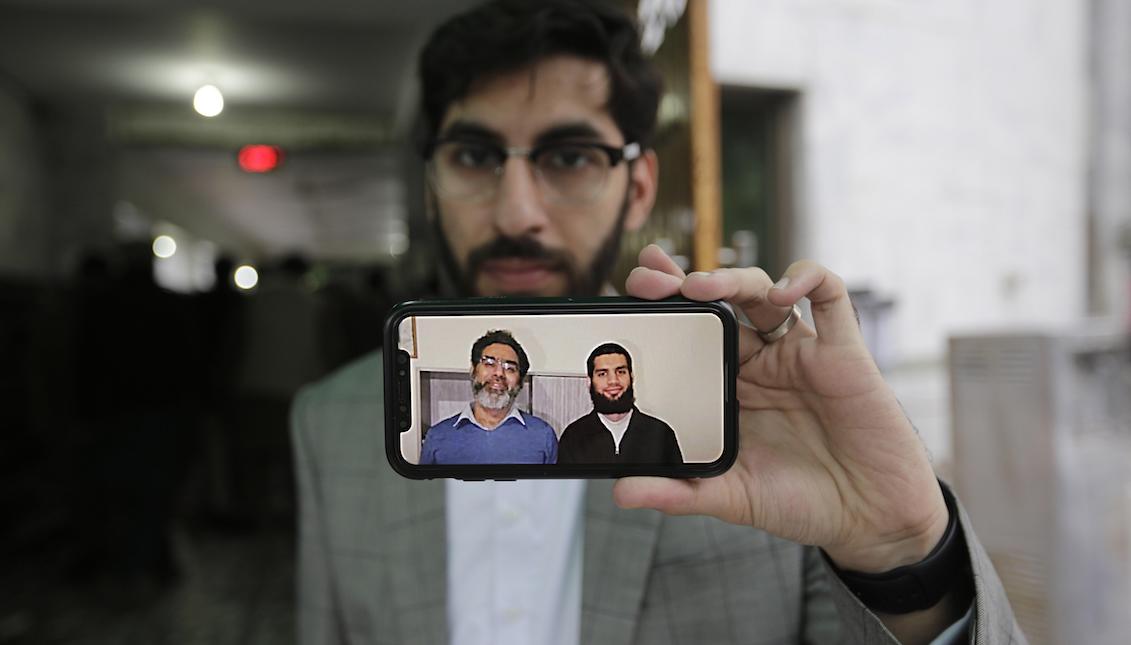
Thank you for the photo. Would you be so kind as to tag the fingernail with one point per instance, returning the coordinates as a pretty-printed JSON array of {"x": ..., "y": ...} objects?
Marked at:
[
  {"x": 780, "y": 285},
  {"x": 702, "y": 274}
]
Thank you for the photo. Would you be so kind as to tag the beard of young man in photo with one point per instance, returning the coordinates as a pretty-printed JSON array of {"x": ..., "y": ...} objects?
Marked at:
[{"x": 604, "y": 405}]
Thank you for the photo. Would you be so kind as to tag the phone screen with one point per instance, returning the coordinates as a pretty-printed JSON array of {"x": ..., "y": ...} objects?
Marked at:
[{"x": 615, "y": 392}]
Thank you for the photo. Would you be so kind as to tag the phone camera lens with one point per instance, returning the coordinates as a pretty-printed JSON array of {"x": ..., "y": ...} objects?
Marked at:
[
  {"x": 402, "y": 359},
  {"x": 404, "y": 423},
  {"x": 401, "y": 372},
  {"x": 403, "y": 409}
]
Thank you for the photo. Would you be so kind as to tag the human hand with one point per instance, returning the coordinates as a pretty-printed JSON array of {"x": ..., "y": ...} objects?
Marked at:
[{"x": 826, "y": 454}]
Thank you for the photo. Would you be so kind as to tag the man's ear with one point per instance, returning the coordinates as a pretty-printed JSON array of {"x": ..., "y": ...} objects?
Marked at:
[{"x": 643, "y": 177}]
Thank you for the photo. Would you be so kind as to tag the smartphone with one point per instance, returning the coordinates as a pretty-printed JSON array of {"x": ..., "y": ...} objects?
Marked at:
[{"x": 508, "y": 388}]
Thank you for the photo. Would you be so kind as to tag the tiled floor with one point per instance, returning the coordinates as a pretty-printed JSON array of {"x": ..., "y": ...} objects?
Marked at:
[{"x": 233, "y": 589}]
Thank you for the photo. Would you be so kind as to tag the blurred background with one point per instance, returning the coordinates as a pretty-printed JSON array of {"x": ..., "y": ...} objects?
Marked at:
[{"x": 204, "y": 205}]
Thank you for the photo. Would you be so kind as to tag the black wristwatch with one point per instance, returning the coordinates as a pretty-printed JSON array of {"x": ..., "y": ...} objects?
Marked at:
[{"x": 922, "y": 585}]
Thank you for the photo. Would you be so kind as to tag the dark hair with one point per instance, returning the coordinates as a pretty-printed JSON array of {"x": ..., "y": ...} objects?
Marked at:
[
  {"x": 502, "y": 337},
  {"x": 507, "y": 35},
  {"x": 607, "y": 348}
]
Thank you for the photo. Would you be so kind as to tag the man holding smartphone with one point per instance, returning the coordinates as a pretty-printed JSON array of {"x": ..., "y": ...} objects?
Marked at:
[
  {"x": 491, "y": 430},
  {"x": 830, "y": 526}
]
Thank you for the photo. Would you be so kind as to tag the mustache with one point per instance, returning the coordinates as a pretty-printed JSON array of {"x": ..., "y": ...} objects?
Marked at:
[
  {"x": 477, "y": 386},
  {"x": 525, "y": 248},
  {"x": 491, "y": 400},
  {"x": 605, "y": 405},
  {"x": 583, "y": 281}
]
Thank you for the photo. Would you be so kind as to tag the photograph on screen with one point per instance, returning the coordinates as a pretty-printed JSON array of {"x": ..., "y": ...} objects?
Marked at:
[{"x": 571, "y": 389}]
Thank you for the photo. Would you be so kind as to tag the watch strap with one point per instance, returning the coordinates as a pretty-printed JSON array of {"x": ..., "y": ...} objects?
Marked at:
[{"x": 922, "y": 585}]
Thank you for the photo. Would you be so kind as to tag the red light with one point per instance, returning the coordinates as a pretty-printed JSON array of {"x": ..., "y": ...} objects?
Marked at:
[{"x": 260, "y": 158}]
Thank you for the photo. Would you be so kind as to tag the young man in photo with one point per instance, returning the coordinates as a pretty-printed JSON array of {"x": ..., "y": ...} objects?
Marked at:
[{"x": 616, "y": 431}]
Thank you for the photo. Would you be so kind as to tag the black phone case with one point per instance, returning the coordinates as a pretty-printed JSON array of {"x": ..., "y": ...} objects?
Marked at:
[{"x": 398, "y": 383}]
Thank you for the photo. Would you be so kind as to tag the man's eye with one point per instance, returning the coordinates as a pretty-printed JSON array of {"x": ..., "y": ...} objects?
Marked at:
[
  {"x": 470, "y": 155},
  {"x": 568, "y": 158}
]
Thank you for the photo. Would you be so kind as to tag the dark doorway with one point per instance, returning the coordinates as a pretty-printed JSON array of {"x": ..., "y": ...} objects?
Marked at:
[{"x": 758, "y": 132}]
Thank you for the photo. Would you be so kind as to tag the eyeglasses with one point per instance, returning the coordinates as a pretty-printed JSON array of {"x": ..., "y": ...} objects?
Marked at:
[
  {"x": 566, "y": 172},
  {"x": 510, "y": 367}
]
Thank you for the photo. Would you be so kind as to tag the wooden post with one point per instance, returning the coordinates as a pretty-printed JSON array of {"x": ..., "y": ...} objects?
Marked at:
[{"x": 706, "y": 150}]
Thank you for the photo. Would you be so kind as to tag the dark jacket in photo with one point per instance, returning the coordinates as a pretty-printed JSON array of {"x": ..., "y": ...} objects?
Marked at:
[{"x": 647, "y": 440}]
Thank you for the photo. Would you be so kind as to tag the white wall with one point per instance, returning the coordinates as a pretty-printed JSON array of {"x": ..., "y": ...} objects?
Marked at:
[
  {"x": 942, "y": 153},
  {"x": 942, "y": 150},
  {"x": 675, "y": 380}
]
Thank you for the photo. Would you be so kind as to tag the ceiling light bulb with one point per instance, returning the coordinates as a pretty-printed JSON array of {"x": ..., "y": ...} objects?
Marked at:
[
  {"x": 246, "y": 277},
  {"x": 208, "y": 101},
  {"x": 164, "y": 246}
]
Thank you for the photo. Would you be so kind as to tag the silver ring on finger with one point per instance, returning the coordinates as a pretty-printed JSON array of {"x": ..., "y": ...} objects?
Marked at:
[{"x": 782, "y": 329}]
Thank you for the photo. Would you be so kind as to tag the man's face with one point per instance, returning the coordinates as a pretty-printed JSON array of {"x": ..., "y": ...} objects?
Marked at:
[
  {"x": 517, "y": 240},
  {"x": 611, "y": 378},
  {"x": 610, "y": 387},
  {"x": 494, "y": 379}
]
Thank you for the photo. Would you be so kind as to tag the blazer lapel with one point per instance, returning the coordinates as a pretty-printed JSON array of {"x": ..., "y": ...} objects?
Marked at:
[{"x": 619, "y": 545}]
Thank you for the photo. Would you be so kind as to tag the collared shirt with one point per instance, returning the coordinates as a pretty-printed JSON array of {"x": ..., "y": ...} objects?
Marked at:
[
  {"x": 468, "y": 414},
  {"x": 514, "y": 561}
]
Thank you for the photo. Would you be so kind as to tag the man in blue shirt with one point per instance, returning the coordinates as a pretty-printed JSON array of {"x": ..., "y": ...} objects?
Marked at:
[{"x": 491, "y": 430}]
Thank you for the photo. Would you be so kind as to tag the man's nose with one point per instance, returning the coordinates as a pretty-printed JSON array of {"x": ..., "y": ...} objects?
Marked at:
[{"x": 519, "y": 208}]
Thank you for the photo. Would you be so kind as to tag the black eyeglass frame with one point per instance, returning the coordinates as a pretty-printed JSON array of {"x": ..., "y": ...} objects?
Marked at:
[{"x": 628, "y": 152}]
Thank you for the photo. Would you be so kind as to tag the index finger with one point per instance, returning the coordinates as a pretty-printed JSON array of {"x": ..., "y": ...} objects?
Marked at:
[
  {"x": 833, "y": 314},
  {"x": 656, "y": 277}
]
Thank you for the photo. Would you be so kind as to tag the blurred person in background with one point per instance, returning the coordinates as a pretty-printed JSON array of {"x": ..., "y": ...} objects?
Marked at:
[
  {"x": 831, "y": 525},
  {"x": 281, "y": 348},
  {"x": 221, "y": 328},
  {"x": 138, "y": 376}
]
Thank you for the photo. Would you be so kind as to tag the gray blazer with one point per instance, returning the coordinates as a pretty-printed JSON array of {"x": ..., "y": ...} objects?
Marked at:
[{"x": 372, "y": 555}]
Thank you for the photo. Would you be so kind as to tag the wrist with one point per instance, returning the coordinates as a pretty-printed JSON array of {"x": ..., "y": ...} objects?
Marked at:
[
  {"x": 905, "y": 550},
  {"x": 919, "y": 585},
  {"x": 911, "y": 547}
]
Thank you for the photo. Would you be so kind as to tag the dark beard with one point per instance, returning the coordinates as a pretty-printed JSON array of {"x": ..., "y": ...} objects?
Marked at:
[
  {"x": 604, "y": 405},
  {"x": 578, "y": 283}
]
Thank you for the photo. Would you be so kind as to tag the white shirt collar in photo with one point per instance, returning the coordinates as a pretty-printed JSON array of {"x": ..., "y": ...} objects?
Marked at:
[{"x": 469, "y": 414}]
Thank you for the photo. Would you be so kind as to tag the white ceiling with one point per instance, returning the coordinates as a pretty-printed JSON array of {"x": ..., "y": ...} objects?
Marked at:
[
  {"x": 315, "y": 74},
  {"x": 320, "y": 54}
]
